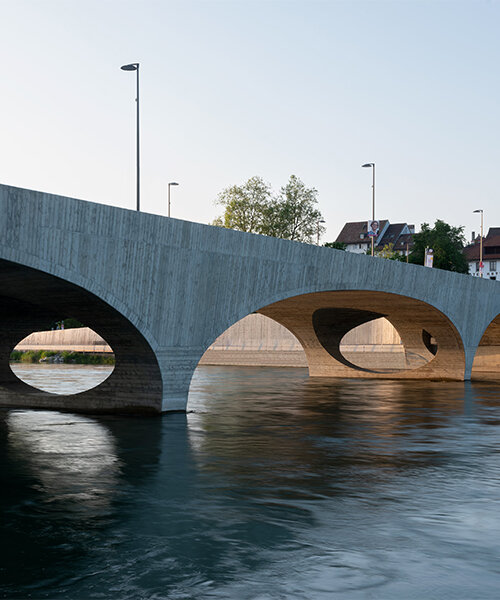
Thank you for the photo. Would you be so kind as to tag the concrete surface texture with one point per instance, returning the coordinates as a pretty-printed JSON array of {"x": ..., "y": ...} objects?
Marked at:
[
  {"x": 81, "y": 339},
  {"x": 160, "y": 291}
]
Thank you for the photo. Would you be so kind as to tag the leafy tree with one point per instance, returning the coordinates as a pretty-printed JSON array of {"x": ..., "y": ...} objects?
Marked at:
[
  {"x": 388, "y": 252},
  {"x": 336, "y": 245},
  {"x": 447, "y": 243},
  {"x": 245, "y": 205},
  {"x": 290, "y": 215}
]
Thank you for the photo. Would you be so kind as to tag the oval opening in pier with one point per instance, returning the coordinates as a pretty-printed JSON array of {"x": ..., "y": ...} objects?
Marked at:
[
  {"x": 69, "y": 359},
  {"x": 374, "y": 346}
]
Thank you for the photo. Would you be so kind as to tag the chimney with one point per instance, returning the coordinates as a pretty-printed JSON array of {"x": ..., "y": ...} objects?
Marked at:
[{"x": 473, "y": 236}]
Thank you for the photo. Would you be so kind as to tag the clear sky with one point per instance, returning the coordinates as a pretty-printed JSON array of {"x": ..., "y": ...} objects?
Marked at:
[{"x": 240, "y": 88}]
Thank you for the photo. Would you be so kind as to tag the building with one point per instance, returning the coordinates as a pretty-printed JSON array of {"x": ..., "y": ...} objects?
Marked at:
[
  {"x": 491, "y": 254},
  {"x": 355, "y": 237}
]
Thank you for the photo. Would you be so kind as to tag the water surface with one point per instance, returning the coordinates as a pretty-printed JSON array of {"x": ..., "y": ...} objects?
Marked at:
[{"x": 274, "y": 486}]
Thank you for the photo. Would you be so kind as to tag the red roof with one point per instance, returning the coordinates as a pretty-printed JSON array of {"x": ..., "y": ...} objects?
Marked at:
[
  {"x": 356, "y": 233},
  {"x": 491, "y": 247}
]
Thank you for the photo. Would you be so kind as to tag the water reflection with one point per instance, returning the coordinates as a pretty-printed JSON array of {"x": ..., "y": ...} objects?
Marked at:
[
  {"x": 72, "y": 456},
  {"x": 321, "y": 435},
  {"x": 275, "y": 486},
  {"x": 61, "y": 378}
]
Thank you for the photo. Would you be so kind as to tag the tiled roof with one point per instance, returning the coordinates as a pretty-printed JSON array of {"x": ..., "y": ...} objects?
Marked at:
[
  {"x": 351, "y": 232},
  {"x": 404, "y": 241},
  {"x": 491, "y": 240},
  {"x": 391, "y": 235},
  {"x": 491, "y": 246}
]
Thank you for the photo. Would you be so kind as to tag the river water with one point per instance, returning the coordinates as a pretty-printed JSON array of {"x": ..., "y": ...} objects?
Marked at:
[{"x": 273, "y": 486}]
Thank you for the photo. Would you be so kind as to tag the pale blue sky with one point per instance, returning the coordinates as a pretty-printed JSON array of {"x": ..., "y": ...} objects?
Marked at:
[{"x": 241, "y": 88}]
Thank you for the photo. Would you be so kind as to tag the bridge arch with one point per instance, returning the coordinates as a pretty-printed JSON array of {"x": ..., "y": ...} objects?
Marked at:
[
  {"x": 320, "y": 320},
  {"x": 30, "y": 301},
  {"x": 486, "y": 363}
]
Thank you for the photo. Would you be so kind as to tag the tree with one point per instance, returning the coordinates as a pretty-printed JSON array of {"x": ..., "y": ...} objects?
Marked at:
[
  {"x": 388, "y": 252},
  {"x": 447, "y": 243},
  {"x": 336, "y": 245},
  {"x": 290, "y": 215},
  {"x": 245, "y": 205}
]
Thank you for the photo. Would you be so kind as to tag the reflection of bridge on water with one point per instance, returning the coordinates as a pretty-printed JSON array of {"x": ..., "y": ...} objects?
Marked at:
[{"x": 160, "y": 291}]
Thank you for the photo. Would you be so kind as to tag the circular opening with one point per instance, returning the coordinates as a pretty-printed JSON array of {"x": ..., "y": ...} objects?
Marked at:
[{"x": 68, "y": 359}]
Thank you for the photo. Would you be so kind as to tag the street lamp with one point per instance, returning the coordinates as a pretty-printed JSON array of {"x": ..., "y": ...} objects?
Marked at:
[
  {"x": 319, "y": 223},
  {"x": 171, "y": 183},
  {"x": 135, "y": 67},
  {"x": 480, "y": 210},
  {"x": 373, "y": 200}
]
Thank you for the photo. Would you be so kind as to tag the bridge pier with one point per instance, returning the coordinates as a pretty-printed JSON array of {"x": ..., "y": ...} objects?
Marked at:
[{"x": 177, "y": 366}]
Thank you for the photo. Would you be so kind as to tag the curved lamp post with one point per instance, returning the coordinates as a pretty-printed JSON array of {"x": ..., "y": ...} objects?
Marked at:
[
  {"x": 171, "y": 183},
  {"x": 480, "y": 210},
  {"x": 372, "y": 165},
  {"x": 135, "y": 67}
]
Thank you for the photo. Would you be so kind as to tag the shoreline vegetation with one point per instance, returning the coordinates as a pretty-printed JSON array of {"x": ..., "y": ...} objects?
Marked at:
[{"x": 63, "y": 357}]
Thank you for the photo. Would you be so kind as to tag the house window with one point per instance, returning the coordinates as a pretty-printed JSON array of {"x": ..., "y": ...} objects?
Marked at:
[{"x": 493, "y": 265}]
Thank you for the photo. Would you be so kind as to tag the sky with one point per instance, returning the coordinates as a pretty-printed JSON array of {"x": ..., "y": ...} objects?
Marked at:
[{"x": 237, "y": 88}]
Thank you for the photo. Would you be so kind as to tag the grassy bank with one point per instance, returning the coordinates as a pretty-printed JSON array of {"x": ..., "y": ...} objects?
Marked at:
[{"x": 66, "y": 356}]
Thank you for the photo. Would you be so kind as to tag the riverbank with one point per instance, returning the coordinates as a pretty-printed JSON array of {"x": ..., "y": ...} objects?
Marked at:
[{"x": 64, "y": 357}]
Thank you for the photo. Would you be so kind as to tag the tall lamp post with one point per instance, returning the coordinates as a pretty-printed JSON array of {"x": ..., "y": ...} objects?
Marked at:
[
  {"x": 135, "y": 67},
  {"x": 319, "y": 224},
  {"x": 171, "y": 183},
  {"x": 372, "y": 165},
  {"x": 480, "y": 210}
]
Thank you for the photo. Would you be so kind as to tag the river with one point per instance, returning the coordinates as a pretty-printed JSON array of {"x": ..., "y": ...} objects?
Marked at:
[{"x": 273, "y": 486}]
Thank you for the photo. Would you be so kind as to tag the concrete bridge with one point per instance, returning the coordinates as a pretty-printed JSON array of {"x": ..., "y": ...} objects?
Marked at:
[{"x": 160, "y": 291}]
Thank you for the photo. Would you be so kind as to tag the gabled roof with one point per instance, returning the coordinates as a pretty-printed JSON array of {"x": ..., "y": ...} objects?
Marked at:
[
  {"x": 351, "y": 232},
  {"x": 391, "y": 235}
]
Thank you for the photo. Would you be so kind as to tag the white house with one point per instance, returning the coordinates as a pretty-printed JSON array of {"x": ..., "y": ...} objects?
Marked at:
[{"x": 491, "y": 255}]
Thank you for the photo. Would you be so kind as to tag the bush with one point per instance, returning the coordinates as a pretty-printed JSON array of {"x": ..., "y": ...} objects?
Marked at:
[{"x": 73, "y": 358}]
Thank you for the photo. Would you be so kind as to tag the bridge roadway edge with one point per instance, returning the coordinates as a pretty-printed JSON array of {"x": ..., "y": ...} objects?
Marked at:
[{"x": 182, "y": 284}]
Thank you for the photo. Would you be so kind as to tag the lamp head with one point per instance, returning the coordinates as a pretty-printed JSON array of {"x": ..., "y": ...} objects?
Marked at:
[
  {"x": 480, "y": 210},
  {"x": 368, "y": 165},
  {"x": 173, "y": 183},
  {"x": 131, "y": 67}
]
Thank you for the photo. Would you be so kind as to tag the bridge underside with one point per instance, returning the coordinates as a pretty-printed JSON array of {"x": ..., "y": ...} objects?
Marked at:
[
  {"x": 31, "y": 300},
  {"x": 487, "y": 360},
  {"x": 320, "y": 321}
]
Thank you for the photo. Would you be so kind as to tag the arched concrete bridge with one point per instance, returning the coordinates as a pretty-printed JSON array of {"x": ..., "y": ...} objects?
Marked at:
[{"x": 160, "y": 291}]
